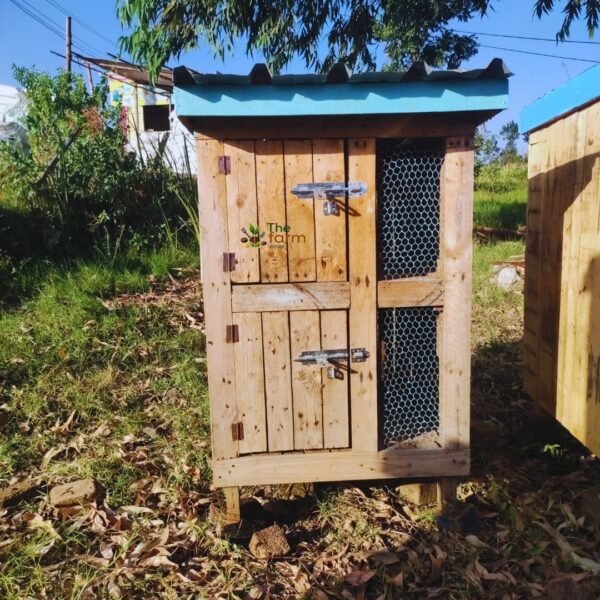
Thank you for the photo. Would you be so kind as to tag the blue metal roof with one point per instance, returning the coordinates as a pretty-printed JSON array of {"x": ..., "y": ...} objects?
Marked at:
[
  {"x": 561, "y": 101},
  {"x": 420, "y": 89}
]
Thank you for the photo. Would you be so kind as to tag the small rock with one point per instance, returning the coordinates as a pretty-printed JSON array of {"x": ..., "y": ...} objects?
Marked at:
[
  {"x": 507, "y": 278},
  {"x": 269, "y": 542},
  {"x": 83, "y": 491},
  {"x": 19, "y": 491}
]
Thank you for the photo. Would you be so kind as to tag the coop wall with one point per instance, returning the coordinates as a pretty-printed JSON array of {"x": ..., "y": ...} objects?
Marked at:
[
  {"x": 562, "y": 287},
  {"x": 429, "y": 298}
]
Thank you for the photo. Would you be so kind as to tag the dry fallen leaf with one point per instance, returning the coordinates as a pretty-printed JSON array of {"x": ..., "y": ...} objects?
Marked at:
[{"x": 358, "y": 578}]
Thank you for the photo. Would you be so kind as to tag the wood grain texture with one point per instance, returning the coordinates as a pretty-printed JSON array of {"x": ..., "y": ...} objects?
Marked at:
[
  {"x": 340, "y": 466},
  {"x": 305, "y": 334},
  {"x": 290, "y": 296},
  {"x": 414, "y": 291},
  {"x": 278, "y": 381},
  {"x": 336, "y": 404},
  {"x": 250, "y": 382},
  {"x": 363, "y": 295},
  {"x": 270, "y": 191},
  {"x": 217, "y": 299},
  {"x": 242, "y": 209},
  {"x": 456, "y": 212},
  {"x": 330, "y": 231},
  {"x": 300, "y": 212}
]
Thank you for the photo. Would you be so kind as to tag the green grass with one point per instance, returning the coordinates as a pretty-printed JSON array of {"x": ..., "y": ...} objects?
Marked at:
[{"x": 501, "y": 196}]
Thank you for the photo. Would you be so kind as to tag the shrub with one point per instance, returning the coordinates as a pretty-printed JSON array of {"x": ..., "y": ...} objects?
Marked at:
[{"x": 76, "y": 189}]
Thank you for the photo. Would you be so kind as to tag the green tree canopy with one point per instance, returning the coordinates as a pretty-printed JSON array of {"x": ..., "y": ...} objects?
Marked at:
[{"x": 320, "y": 32}]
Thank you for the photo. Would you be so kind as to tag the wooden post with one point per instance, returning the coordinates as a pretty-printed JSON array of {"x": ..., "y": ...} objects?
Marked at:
[{"x": 68, "y": 44}]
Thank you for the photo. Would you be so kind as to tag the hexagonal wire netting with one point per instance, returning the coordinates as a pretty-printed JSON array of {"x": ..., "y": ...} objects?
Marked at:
[
  {"x": 408, "y": 198},
  {"x": 409, "y": 373}
]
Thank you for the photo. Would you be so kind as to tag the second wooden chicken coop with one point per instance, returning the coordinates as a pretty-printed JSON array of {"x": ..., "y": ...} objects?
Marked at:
[{"x": 336, "y": 218}]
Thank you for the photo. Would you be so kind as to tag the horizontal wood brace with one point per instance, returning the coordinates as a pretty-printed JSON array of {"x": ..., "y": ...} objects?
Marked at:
[
  {"x": 414, "y": 291},
  {"x": 340, "y": 465},
  {"x": 268, "y": 297}
]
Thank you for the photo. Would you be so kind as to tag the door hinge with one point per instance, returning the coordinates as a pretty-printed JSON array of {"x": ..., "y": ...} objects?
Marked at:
[
  {"x": 229, "y": 261},
  {"x": 237, "y": 431},
  {"x": 232, "y": 334},
  {"x": 224, "y": 164}
]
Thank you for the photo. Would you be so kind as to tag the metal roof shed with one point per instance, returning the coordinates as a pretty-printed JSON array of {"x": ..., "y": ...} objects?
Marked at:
[
  {"x": 562, "y": 285},
  {"x": 336, "y": 215}
]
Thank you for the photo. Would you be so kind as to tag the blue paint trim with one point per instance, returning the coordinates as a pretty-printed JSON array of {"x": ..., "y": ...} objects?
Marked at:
[
  {"x": 340, "y": 99},
  {"x": 564, "y": 99}
]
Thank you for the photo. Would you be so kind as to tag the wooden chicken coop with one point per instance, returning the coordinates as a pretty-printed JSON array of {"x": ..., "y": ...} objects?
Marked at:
[
  {"x": 562, "y": 278},
  {"x": 336, "y": 220}
]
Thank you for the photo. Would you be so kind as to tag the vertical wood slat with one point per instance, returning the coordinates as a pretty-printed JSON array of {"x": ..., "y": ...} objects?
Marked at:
[
  {"x": 300, "y": 212},
  {"x": 217, "y": 298},
  {"x": 362, "y": 267},
  {"x": 336, "y": 427},
  {"x": 330, "y": 231},
  {"x": 270, "y": 186},
  {"x": 242, "y": 209},
  {"x": 456, "y": 211},
  {"x": 536, "y": 177},
  {"x": 305, "y": 334},
  {"x": 250, "y": 382},
  {"x": 278, "y": 381}
]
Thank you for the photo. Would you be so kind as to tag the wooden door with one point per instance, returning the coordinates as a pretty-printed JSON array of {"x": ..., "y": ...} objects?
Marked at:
[{"x": 293, "y": 280}]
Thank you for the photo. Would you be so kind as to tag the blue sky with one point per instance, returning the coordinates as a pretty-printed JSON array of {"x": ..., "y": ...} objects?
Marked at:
[{"x": 26, "y": 42}]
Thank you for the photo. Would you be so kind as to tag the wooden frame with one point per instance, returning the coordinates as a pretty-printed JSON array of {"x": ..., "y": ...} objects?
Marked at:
[{"x": 254, "y": 454}]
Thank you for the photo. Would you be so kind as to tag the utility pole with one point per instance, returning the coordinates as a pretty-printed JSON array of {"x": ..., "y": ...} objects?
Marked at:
[{"x": 68, "y": 43}]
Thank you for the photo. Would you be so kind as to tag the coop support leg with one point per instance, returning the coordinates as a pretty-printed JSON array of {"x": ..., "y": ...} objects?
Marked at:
[
  {"x": 232, "y": 504},
  {"x": 446, "y": 493}
]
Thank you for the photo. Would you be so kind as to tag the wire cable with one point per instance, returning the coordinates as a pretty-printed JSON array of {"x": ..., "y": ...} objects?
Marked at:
[
  {"x": 51, "y": 25},
  {"x": 81, "y": 22},
  {"x": 596, "y": 62},
  {"x": 524, "y": 37}
]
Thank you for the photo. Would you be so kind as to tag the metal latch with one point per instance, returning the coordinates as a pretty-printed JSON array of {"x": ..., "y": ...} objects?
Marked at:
[
  {"x": 329, "y": 191},
  {"x": 334, "y": 360}
]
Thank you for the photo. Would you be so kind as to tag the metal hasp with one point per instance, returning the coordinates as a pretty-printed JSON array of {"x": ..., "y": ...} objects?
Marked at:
[
  {"x": 329, "y": 191},
  {"x": 332, "y": 359}
]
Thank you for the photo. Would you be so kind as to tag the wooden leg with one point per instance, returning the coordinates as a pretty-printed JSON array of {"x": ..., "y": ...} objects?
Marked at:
[
  {"x": 232, "y": 504},
  {"x": 446, "y": 493}
]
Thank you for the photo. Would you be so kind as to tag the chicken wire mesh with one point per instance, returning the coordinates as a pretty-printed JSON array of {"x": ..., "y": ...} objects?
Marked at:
[
  {"x": 409, "y": 374},
  {"x": 408, "y": 198}
]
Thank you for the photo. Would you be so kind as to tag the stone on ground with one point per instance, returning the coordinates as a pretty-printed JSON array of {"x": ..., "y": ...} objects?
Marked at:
[{"x": 83, "y": 491}]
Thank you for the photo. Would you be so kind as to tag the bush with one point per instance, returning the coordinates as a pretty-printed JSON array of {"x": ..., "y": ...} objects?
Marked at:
[{"x": 76, "y": 189}]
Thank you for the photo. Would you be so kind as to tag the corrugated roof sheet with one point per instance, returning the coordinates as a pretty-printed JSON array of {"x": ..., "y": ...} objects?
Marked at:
[{"x": 340, "y": 73}]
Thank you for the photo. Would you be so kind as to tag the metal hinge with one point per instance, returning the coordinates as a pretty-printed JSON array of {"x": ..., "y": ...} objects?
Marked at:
[
  {"x": 237, "y": 431},
  {"x": 229, "y": 261},
  {"x": 232, "y": 334},
  {"x": 224, "y": 164}
]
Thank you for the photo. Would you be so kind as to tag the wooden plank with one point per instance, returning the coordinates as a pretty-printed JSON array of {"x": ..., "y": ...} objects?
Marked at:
[
  {"x": 300, "y": 212},
  {"x": 270, "y": 189},
  {"x": 217, "y": 299},
  {"x": 336, "y": 425},
  {"x": 456, "y": 211},
  {"x": 242, "y": 210},
  {"x": 305, "y": 334},
  {"x": 278, "y": 381},
  {"x": 232, "y": 513},
  {"x": 301, "y": 127},
  {"x": 290, "y": 296},
  {"x": 414, "y": 291},
  {"x": 250, "y": 382},
  {"x": 362, "y": 264},
  {"x": 340, "y": 465},
  {"x": 330, "y": 231}
]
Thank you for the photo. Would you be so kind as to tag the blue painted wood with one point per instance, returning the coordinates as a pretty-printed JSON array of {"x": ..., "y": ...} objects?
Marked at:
[
  {"x": 340, "y": 99},
  {"x": 564, "y": 99}
]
